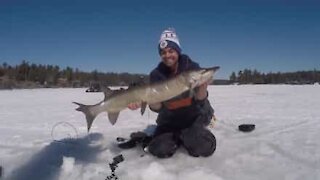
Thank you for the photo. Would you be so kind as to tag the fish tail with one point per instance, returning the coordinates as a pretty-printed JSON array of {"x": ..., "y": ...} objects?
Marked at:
[{"x": 89, "y": 115}]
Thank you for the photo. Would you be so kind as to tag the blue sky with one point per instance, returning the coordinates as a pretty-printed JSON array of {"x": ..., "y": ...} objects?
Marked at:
[{"x": 122, "y": 36}]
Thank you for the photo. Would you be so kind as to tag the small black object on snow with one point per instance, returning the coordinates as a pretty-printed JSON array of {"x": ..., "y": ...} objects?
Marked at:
[
  {"x": 116, "y": 160},
  {"x": 246, "y": 127},
  {"x": 135, "y": 138}
]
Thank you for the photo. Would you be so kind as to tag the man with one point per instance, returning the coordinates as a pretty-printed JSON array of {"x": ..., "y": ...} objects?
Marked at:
[{"x": 181, "y": 120}]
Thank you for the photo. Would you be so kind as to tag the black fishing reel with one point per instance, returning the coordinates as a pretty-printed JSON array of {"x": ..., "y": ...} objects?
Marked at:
[{"x": 116, "y": 160}]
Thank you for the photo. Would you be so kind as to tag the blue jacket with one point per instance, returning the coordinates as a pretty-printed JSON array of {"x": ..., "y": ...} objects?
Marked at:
[{"x": 185, "y": 116}]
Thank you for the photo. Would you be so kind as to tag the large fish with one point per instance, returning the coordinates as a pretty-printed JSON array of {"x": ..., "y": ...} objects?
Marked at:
[{"x": 117, "y": 100}]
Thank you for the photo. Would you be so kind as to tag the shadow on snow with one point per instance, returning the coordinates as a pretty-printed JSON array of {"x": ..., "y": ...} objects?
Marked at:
[{"x": 46, "y": 164}]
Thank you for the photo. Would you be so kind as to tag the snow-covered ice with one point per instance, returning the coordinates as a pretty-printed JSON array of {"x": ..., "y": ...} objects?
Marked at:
[{"x": 43, "y": 137}]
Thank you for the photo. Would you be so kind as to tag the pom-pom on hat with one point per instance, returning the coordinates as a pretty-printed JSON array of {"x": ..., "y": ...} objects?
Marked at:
[{"x": 169, "y": 39}]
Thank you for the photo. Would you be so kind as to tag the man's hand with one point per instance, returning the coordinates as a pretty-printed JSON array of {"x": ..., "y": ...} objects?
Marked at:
[
  {"x": 134, "y": 106},
  {"x": 202, "y": 92},
  {"x": 137, "y": 105}
]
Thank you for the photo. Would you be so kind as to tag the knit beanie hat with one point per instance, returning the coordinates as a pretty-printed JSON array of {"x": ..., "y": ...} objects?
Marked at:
[{"x": 169, "y": 39}]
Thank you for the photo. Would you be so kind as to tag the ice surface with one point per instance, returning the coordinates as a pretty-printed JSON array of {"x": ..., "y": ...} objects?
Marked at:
[{"x": 284, "y": 144}]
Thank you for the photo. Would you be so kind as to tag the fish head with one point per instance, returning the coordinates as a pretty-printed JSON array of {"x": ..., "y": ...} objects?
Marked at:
[{"x": 200, "y": 76}]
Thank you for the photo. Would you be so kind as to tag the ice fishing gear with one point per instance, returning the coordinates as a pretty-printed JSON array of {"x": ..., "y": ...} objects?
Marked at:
[
  {"x": 135, "y": 138},
  {"x": 246, "y": 127},
  {"x": 63, "y": 130},
  {"x": 116, "y": 160}
]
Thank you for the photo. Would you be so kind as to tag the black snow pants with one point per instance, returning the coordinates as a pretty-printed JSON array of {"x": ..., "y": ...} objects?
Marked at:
[{"x": 196, "y": 139}]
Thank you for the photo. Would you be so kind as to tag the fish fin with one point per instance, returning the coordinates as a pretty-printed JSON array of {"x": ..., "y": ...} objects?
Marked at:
[
  {"x": 191, "y": 92},
  {"x": 89, "y": 115},
  {"x": 192, "y": 86},
  {"x": 113, "y": 117},
  {"x": 143, "y": 107},
  {"x": 136, "y": 84},
  {"x": 107, "y": 93}
]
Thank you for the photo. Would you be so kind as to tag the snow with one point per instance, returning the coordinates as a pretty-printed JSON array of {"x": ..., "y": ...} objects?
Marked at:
[{"x": 43, "y": 137}]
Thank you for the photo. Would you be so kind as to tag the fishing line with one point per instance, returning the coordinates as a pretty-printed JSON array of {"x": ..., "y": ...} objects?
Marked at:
[
  {"x": 70, "y": 133},
  {"x": 148, "y": 115}
]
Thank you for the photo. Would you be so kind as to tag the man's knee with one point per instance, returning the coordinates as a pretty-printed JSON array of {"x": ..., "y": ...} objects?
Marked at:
[
  {"x": 163, "y": 146},
  {"x": 198, "y": 142}
]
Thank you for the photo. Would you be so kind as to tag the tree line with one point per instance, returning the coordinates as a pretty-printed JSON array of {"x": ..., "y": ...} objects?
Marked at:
[
  {"x": 248, "y": 76},
  {"x": 32, "y": 75}
]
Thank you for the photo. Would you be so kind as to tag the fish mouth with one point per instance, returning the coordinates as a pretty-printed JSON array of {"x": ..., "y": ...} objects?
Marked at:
[
  {"x": 204, "y": 75},
  {"x": 214, "y": 68},
  {"x": 209, "y": 71}
]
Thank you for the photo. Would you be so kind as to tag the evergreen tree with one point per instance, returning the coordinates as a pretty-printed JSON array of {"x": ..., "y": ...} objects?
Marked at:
[
  {"x": 94, "y": 75},
  {"x": 2, "y": 71},
  {"x": 233, "y": 77}
]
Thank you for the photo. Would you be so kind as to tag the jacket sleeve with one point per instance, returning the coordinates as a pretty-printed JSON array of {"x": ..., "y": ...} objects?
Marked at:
[
  {"x": 156, "y": 76},
  {"x": 190, "y": 64}
]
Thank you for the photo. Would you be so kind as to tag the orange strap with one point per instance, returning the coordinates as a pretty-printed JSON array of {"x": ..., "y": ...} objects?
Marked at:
[{"x": 179, "y": 103}]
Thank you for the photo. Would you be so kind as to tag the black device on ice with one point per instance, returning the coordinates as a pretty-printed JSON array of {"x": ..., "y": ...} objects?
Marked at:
[
  {"x": 135, "y": 138},
  {"x": 246, "y": 127},
  {"x": 116, "y": 160}
]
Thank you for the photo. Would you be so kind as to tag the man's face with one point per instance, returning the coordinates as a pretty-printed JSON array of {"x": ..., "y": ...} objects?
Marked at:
[{"x": 169, "y": 57}]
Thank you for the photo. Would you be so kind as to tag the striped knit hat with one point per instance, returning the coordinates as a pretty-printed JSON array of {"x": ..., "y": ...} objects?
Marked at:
[{"x": 169, "y": 39}]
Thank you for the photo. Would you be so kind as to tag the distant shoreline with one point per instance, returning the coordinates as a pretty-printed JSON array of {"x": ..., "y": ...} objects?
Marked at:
[{"x": 214, "y": 84}]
